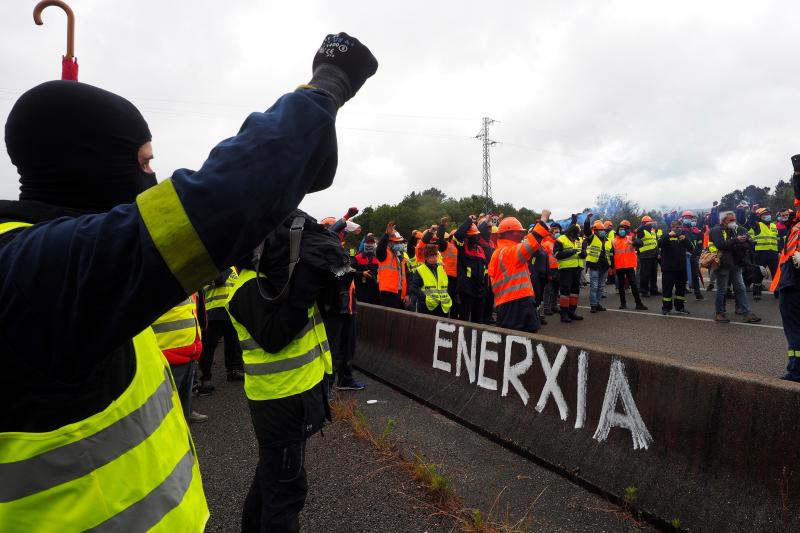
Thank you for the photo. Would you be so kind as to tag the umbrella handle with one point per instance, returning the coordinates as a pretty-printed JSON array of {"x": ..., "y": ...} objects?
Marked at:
[{"x": 37, "y": 18}]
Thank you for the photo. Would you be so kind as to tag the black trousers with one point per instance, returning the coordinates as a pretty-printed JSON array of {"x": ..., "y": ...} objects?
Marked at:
[
  {"x": 648, "y": 274},
  {"x": 341, "y": 330},
  {"x": 216, "y": 330},
  {"x": 694, "y": 262},
  {"x": 391, "y": 299},
  {"x": 569, "y": 285},
  {"x": 470, "y": 308},
  {"x": 630, "y": 275},
  {"x": 673, "y": 280},
  {"x": 789, "y": 305}
]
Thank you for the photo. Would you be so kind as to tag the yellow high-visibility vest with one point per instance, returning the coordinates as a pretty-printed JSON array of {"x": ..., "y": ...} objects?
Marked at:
[{"x": 435, "y": 288}]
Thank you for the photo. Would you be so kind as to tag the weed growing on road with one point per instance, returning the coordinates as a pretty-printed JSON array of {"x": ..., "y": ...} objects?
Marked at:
[
  {"x": 676, "y": 524},
  {"x": 436, "y": 484},
  {"x": 631, "y": 495}
]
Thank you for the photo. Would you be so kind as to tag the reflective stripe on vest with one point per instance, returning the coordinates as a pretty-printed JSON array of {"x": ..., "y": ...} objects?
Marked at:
[
  {"x": 391, "y": 275},
  {"x": 8, "y": 226},
  {"x": 791, "y": 247},
  {"x": 596, "y": 245},
  {"x": 649, "y": 240},
  {"x": 624, "y": 253},
  {"x": 712, "y": 248},
  {"x": 435, "y": 288},
  {"x": 450, "y": 259},
  {"x": 767, "y": 239},
  {"x": 130, "y": 467},
  {"x": 571, "y": 261},
  {"x": 177, "y": 327},
  {"x": 298, "y": 367},
  {"x": 217, "y": 296}
]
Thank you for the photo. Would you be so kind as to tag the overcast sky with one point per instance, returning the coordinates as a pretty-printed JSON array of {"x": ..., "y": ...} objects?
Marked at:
[{"x": 674, "y": 103}]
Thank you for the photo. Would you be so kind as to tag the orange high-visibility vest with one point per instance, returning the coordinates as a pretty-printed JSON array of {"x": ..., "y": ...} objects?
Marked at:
[
  {"x": 548, "y": 244},
  {"x": 788, "y": 251},
  {"x": 450, "y": 259},
  {"x": 508, "y": 268},
  {"x": 624, "y": 252},
  {"x": 392, "y": 275}
]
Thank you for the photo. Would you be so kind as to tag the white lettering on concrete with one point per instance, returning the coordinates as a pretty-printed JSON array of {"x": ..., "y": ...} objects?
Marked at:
[
  {"x": 551, "y": 385},
  {"x": 631, "y": 420},
  {"x": 511, "y": 373},
  {"x": 488, "y": 355},
  {"x": 442, "y": 343},
  {"x": 467, "y": 354},
  {"x": 583, "y": 376}
]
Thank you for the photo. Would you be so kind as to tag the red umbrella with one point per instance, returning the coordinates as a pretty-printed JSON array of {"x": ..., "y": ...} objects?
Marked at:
[{"x": 69, "y": 65}]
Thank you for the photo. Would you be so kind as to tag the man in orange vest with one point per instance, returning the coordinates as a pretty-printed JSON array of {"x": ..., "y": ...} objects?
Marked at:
[
  {"x": 787, "y": 282},
  {"x": 625, "y": 262},
  {"x": 508, "y": 271},
  {"x": 392, "y": 282}
]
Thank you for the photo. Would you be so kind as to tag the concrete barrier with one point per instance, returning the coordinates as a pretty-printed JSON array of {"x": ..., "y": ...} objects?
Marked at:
[{"x": 717, "y": 450}]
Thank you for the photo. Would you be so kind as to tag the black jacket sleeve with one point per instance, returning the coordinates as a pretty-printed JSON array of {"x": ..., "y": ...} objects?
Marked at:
[
  {"x": 383, "y": 245},
  {"x": 440, "y": 235}
]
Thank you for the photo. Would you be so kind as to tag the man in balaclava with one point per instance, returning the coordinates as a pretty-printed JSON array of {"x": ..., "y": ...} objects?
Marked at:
[
  {"x": 366, "y": 265},
  {"x": 93, "y": 253},
  {"x": 471, "y": 272},
  {"x": 567, "y": 250}
]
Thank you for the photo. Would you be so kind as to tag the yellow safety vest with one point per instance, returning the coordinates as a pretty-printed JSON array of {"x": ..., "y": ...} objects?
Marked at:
[
  {"x": 572, "y": 261},
  {"x": 298, "y": 367},
  {"x": 218, "y": 296},
  {"x": 650, "y": 240},
  {"x": 177, "y": 327},
  {"x": 711, "y": 247},
  {"x": 412, "y": 262},
  {"x": 767, "y": 239},
  {"x": 435, "y": 288},
  {"x": 595, "y": 247}
]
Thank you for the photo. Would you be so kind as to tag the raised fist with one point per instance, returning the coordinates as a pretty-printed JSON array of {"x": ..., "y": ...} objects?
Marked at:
[
  {"x": 341, "y": 66},
  {"x": 390, "y": 229},
  {"x": 353, "y": 211}
]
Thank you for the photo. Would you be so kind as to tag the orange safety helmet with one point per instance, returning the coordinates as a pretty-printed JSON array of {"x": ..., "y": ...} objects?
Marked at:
[
  {"x": 761, "y": 210},
  {"x": 608, "y": 224},
  {"x": 509, "y": 224},
  {"x": 646, "y": 219},
  {"x": 396, "y": 237},
  {"x": 328, "y": 221},
  {"x": 598, "y": 225},
  {"x": 625, "y": 224},
  {"x": 688, "y": 213},
  {"x": 473, "y": 230}
]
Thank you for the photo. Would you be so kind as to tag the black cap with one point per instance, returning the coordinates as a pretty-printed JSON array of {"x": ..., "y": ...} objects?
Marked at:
[{"x": 796, "y": 162}]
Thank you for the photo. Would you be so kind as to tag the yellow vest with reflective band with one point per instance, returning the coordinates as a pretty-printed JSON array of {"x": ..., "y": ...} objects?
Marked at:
[
  {"x": 767, "y": 239},
  {"x": 131, "y": 467},
  {"x": 218, "y": 296},
  {"x": 177, "y": 327},
  {"x": 298, "y": 367},
  {"x": 572, "y": 261},
  {"x": 594, "y": 248},
  {"x": 650, "y": 240},
  {"x": 412, "y": 262},
  {"x": 435, "y": 288}
]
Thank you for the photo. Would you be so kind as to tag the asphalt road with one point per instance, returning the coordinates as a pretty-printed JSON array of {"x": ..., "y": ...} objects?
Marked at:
[{"x": 694, "y": 338}]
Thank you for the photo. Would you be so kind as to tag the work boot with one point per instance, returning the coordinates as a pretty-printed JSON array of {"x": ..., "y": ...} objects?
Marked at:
[
  {"x": 601, "y": 308},
  {"x": 750, "y": 318},
  {"x": 640, "y": 306},
  {"x": 623, "y": 306},
  {"x": 710, "y": 287},
  {"x": 565, "y": 316},
  {"x": 205, "y": 388},
  {"x": 682, "y": 311},
  {"x": 699, "y": 296},
  {"x": 789, "y": 377},
  {"x": 722, "y": 318},
  {"x": 593, "y": 309},
  {"x": 573, "y": 314}
]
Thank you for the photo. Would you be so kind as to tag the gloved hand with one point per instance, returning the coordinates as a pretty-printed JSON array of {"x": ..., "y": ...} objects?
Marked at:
[
  {"x": 341, "y": 66},
  {"x": 353, "y": 211}
]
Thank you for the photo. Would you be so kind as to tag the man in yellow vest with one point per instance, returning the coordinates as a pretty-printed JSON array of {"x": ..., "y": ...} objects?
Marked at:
[
  {"x": 649, "y": 234},
  {"x": 764, "y": 232},
  {"x": 92, "y": 435},
  {"x": 429, "y": 284},
  {"x": 178, "y": 335}
]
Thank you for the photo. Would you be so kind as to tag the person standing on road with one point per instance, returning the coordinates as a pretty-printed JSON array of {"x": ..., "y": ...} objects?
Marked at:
[
  {"x": 471, "y": 272},
  {"x": 624, "y": 259},
  {"x": 567, "y": 250},
  {"x": 675, "y": 246},
  {"x": 366, "y": 265},
  {"x": 508, "y": 271},
  {"x": 429, "y": 284},
  {"x": 392, "y": 279},
  {"x": 109, "y": 250},
  {"x": 550, "y": 296},
  {"x": 649, "y": 234},
  {"x": 764, "y": 232},
  {"x": 694, "y": 234},
  {"x": 486, "y": 228},
  {"x": 597, "y": 250},
  {"x": 733, "y": 243}
]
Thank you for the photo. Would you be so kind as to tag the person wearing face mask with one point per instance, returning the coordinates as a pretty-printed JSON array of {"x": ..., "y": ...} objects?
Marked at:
[
  {"x": 471, "y": 272},
  {"x": 449, "y": 251},
  {"x": 782, "y": 223},
  {"x": 429, "y": 284},
  {"x": 509, "y": 274},
  {"x": 567, "y": 250},
  {"x": 550, "y": 296},
  {"x": 92, "y": 429},
  {"x": 597, "y": 250},
  {"x": 674, "y": 248},
  {"x": 486, "y": 229},
  {"x": 625, "y": 261},
  {"x": 366, "y": 265},
  {"x": 764, "y": 232},
  {"x": 649, "y": 234},
  {"x": 392, "y": 280},
  {"x": 733, "y": 243},
  {"x": 694, "y": 234}
]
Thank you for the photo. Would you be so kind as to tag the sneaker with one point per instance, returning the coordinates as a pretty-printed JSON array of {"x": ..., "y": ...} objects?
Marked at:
[
  {"x": 750, "y": 318},
  {"x": 205, "y": 388},
  {"x": 699, "y": 296},
  {"x": 722, "y": 318},
  {"x": 197, "y": 417},
  {"x": 350, "y": 385},
  {"x": 641, "y": 307},
  {"x": 235, "y": 375}
]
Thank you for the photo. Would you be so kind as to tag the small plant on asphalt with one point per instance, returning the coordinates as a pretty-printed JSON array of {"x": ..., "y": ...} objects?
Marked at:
[
  {"x": 383, "y": 442},
  {"x": 676, "y": 524},
  {"x": 631, "y": 495},
  {"x": 437, "y": 484}
]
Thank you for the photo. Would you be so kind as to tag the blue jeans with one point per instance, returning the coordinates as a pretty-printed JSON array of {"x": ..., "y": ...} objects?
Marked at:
[
  {"x": 184, "y": 377},
  {"x": 734, "y": 275},
  {"x": 597, "y": 281}
]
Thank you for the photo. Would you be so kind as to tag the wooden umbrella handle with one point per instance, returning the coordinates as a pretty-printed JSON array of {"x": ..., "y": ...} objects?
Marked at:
[{"x": 37, "y": 18}]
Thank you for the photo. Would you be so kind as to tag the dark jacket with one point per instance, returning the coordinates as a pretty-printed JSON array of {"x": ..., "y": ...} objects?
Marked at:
[
  {"x": 733, "y": 251},
  {"x": 673, "y": 252},
  {"x": 472, "y": 263},
  {"x": 366, "y": 287},
  {"x": 604, "y": 261},
  {"x": 694, "y": 234}
]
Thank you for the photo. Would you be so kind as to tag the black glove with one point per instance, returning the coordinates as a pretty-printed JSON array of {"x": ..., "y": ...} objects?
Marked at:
[{"x": 341, "y": 66}]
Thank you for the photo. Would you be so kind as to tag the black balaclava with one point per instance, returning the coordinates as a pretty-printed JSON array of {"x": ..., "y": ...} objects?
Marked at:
[
  {"x": 573, "y": 231},
  {"x": 75, "y": 145}
]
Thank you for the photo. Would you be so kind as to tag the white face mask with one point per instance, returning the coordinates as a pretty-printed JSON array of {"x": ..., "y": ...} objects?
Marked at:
[{"x": 732, "y": 225}]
